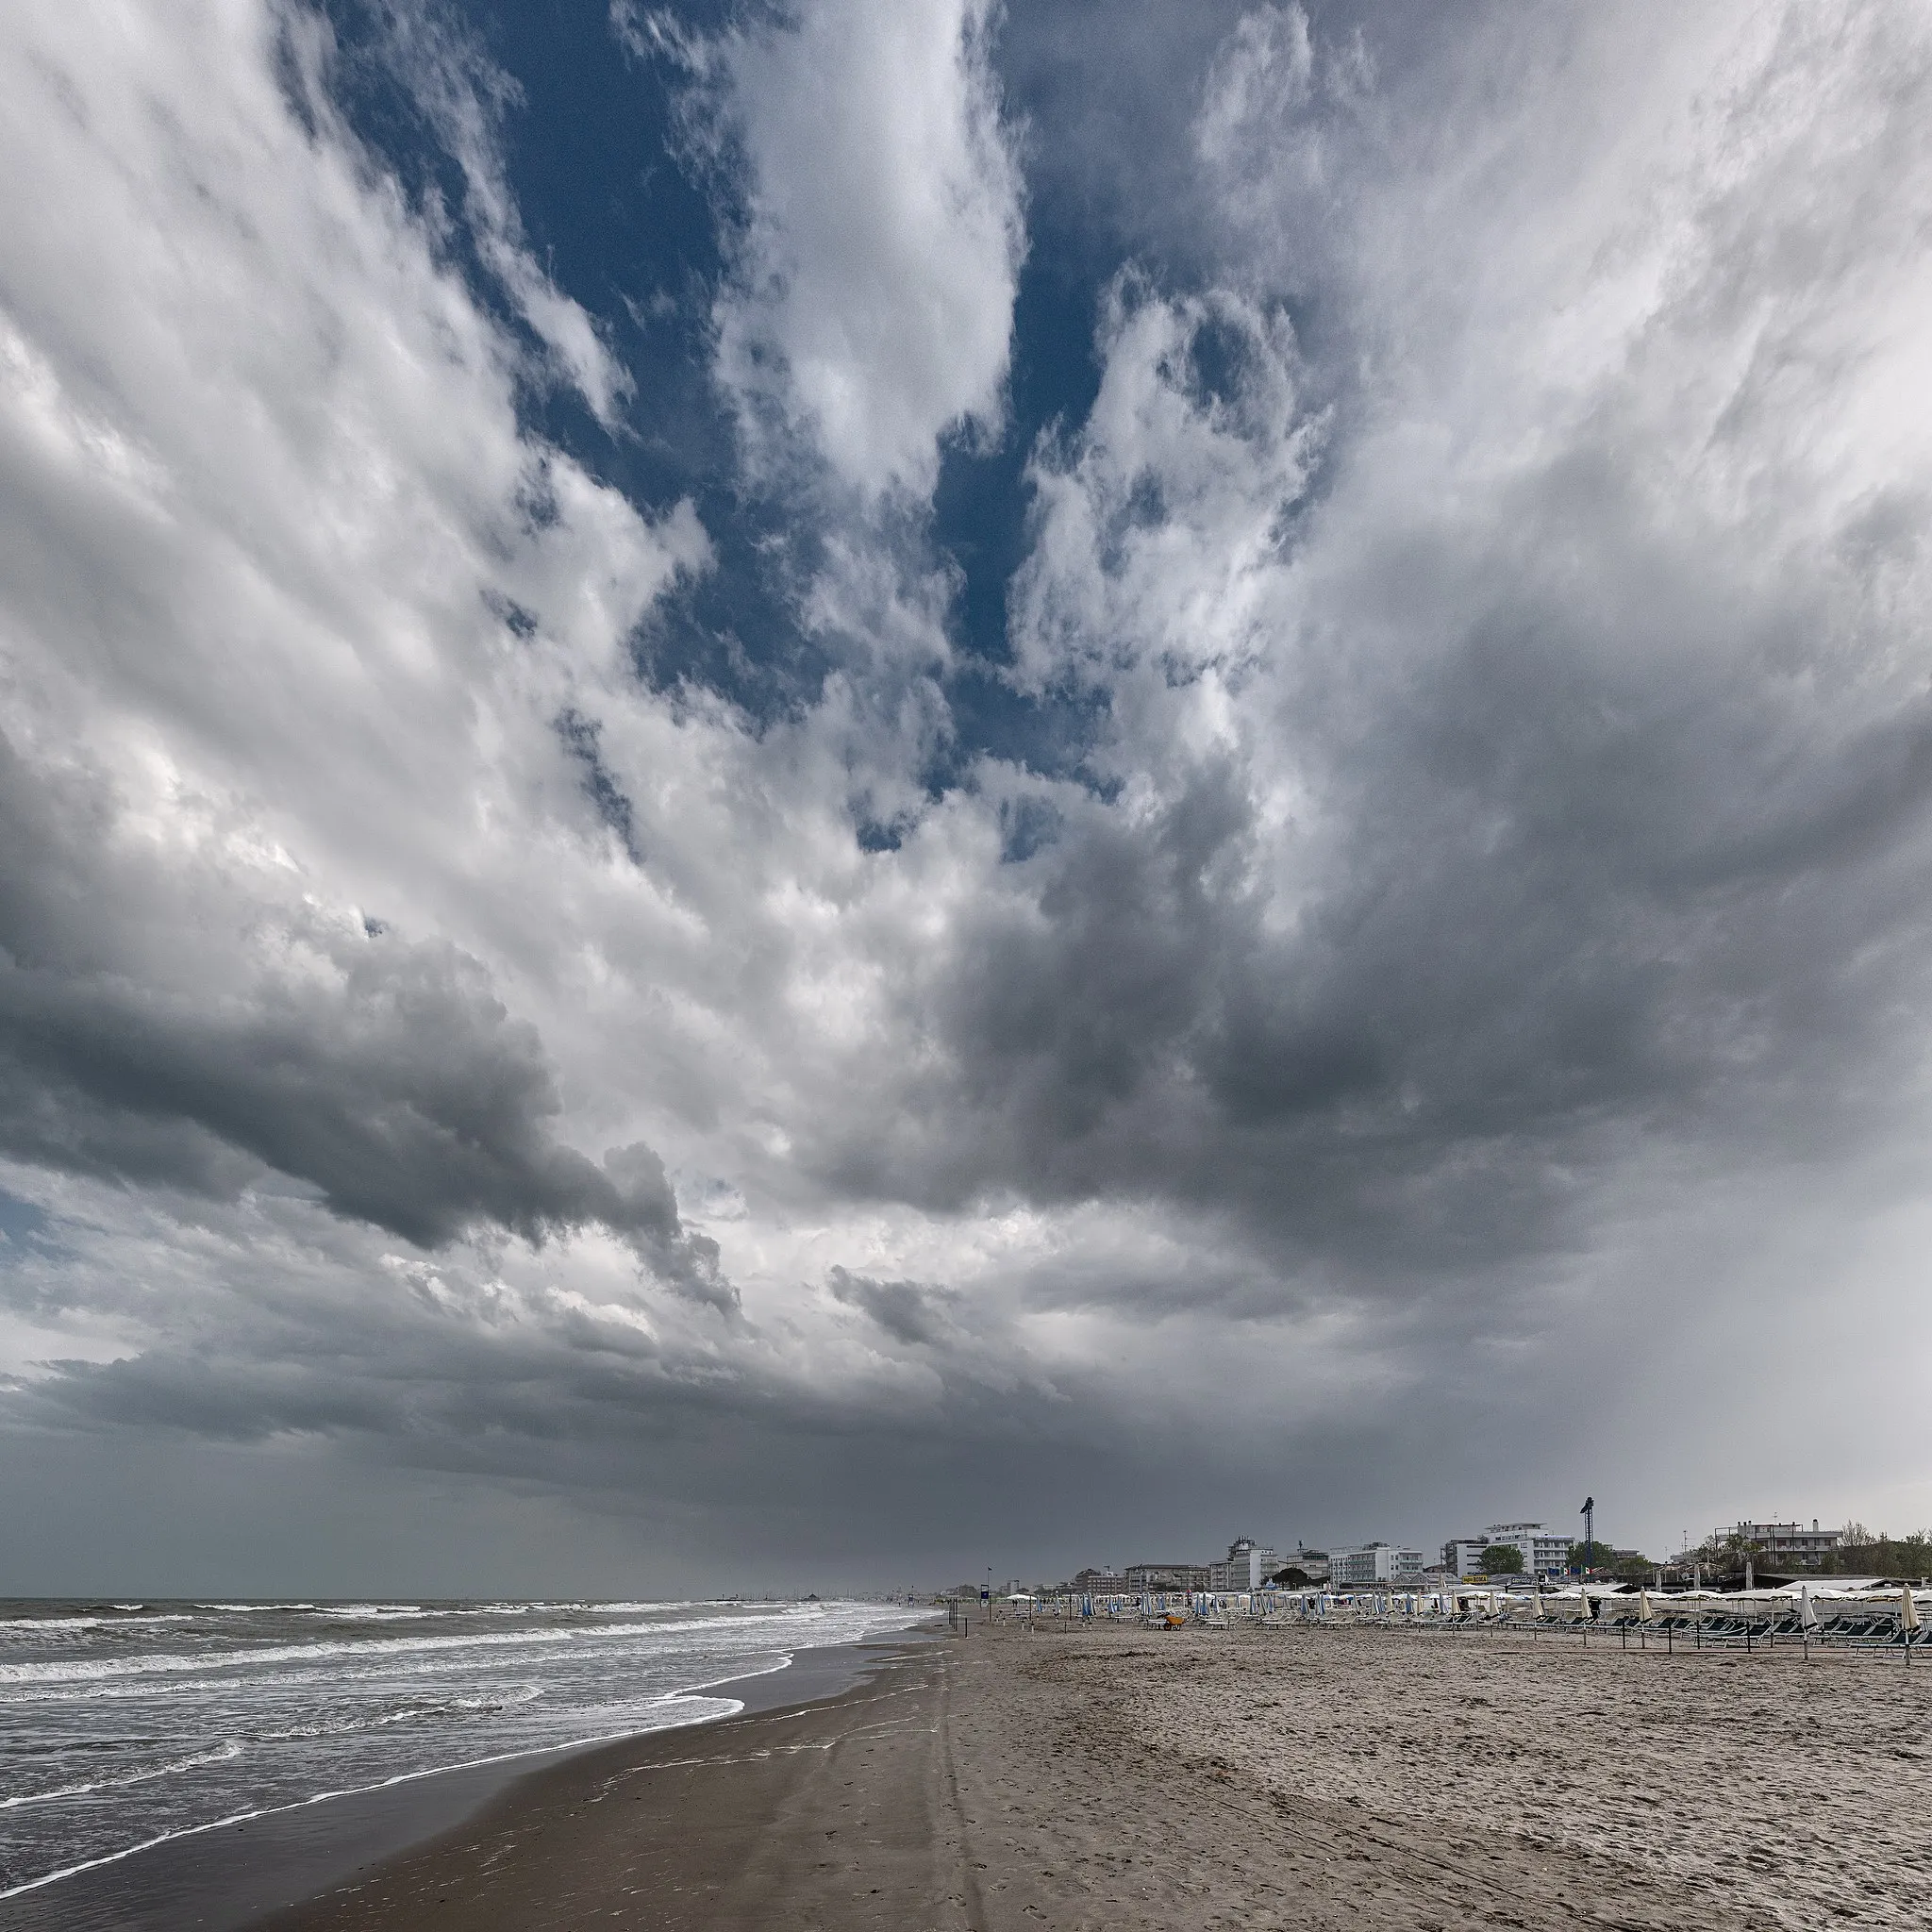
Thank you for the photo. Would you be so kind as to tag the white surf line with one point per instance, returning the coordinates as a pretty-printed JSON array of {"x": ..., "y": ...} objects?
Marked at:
[
  {"x": 92, "y": 1671},
  {"x": 786, "y": 1659},
  {"x": 33, "y": 1625},
  {"x": 402, "y": 1777},
  {"x": 232, "y": 1749}
]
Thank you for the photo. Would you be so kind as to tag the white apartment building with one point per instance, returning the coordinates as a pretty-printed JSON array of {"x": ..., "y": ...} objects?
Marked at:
[
  {"x": 1790, "y": 1541},
  {"x": 1545, "y": 1553},
  {"x": 1369, "y": 1564},
  {"x": 1247, "y": 1566}
]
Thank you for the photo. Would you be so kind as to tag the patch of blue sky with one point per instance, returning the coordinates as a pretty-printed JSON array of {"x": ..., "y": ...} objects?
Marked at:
[
  {"x": 591, "y": 154},
  {"x": 21, "y": 1224},
  {"x": 981, "y": 512},
  {"x": 625, "y": 222}
]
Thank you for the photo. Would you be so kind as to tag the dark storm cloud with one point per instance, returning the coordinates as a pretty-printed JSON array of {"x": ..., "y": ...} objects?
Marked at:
[
  {"x": 388, "y": 1077},
  {"x": 1601, "y": 840},
  {"x": 1522, "y": 952},
  {"x": 403, "y": 1093},
  {"x": 909, "y": 1311},
  {"x": 457, "y": 1367}
]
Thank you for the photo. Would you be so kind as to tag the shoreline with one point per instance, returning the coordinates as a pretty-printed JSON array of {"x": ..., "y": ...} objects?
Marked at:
[
  {"x": 228, "y": 1874},
  {"x": 654, "y": 1830}
]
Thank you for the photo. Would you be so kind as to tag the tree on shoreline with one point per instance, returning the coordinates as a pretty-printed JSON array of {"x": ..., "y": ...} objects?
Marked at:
[
  {"x": 1863, "y": 1552},
  {"x": 1632, "y": 1564}
]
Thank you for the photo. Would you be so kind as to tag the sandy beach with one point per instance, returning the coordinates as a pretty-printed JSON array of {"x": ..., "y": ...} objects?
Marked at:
[{"x": 1322, "y": 1777}]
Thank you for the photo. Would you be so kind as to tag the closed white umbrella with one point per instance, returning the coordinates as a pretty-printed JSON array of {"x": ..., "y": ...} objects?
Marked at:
[
  {"x": 1908, "y": 1609},
  {"x": 1807, "y": 1610},
  {"x": 1644, "y": 1607}
]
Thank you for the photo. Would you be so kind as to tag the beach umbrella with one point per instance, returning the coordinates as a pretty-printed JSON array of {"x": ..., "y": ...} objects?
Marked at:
[
  {"x": 1807, "y": 1610},
  {"x": 1908, "y": 1609},
  {"x": 1644, "y": 1607},
  {"x": 1536, "y": 1601}
]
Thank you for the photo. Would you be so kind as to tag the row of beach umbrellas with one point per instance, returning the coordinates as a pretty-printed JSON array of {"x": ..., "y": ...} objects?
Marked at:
[
  {"x": 1584, "y": 1603},
  {"x": 1581, "y": 1603}
]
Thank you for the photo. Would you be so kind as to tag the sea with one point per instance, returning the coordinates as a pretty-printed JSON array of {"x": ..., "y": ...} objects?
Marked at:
[{"x": 126, "y": 1724}]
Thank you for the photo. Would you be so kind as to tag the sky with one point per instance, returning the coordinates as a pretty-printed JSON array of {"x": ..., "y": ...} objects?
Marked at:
[{"x": 810, "y": 796}]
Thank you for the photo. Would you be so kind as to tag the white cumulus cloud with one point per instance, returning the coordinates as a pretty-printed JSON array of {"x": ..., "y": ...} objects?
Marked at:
[{"x": 883, "y": 234}]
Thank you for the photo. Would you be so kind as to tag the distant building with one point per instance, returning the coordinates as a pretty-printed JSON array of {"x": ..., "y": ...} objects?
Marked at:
[
  {"x": 1166, "y": 1576},
  {"x": 1790, "y": 1541},
  {"x": 1246, "y": 1566},
  {"x": 1375, "y": 1563},
  {"x": 1101, "y": 1583},
  {"x": 1313, "y": 1564},
  {"x": 1545, "y": 1553}
]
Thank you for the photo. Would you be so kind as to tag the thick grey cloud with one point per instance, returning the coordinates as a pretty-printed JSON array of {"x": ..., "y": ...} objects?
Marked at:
[
  {"x": 1560, "y": 865},
  {"x": 386, "y": 1077},
  {"x": 1483, "y": 932},
  {"x": 403, "y": 1094}
]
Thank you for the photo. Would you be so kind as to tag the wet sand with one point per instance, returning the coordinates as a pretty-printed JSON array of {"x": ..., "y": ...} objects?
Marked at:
[
  {"x": 823, "y": 1815},
  {"x": 1307, "y": 1777}
]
